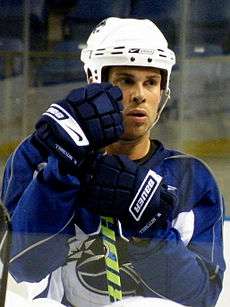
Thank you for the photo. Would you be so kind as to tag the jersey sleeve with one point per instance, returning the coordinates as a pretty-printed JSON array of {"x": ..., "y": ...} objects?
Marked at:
[
  {"x": 185, "y": 263},
  {"x": 41, "y": 202}
]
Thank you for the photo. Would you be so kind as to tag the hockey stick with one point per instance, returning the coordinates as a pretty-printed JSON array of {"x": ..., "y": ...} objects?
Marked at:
[{"x": 111, "y": 259}]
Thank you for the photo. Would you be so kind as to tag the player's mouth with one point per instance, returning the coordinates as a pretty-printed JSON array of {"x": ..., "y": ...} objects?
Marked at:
[{"x": 137, "y": 115}]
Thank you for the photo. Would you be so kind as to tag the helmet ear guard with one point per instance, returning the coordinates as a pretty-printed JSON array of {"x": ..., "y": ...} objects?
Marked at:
[{"x": 89, "y": 75}]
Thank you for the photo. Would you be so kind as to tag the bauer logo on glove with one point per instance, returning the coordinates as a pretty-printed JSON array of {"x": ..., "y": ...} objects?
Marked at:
[{"x": 144, "y": 195}]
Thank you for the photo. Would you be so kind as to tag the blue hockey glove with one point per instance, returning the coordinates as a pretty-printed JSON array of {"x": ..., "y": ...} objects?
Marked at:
[
  {"x": 118, "y": 187},
  {"x": 88, "y": 119}
]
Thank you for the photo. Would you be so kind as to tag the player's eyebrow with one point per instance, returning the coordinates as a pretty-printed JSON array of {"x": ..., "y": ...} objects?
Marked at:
[
  {"x": 130, "y": 75},
  {"x": 124, "y": 74},
  {"x": 155, "y": 76}
]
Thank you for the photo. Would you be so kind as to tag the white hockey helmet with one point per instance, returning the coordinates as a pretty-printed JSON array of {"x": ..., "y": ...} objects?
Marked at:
[{"x": 128, "y": 42}]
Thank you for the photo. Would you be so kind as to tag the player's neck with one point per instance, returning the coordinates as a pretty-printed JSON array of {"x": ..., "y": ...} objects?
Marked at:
[{"x": 134, "y": 150}]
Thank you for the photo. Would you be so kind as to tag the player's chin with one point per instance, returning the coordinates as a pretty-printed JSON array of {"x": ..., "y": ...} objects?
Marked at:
[{"x": 132, "y": 135}]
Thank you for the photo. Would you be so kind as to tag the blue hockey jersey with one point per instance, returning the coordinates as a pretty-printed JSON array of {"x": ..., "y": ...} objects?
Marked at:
[{"x": 57, "y": 245}]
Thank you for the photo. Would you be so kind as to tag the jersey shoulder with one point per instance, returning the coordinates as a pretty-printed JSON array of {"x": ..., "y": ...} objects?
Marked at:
[
  {"x": 185, "y": 171},
  {"x": 21, "y": 165}
]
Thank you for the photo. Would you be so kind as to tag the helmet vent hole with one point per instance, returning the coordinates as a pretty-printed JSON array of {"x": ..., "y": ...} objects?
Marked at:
[
  {"x": 132, "y": 59},
  {"x": 117, "y": 52},
  {"x": 150, "y": 60}
]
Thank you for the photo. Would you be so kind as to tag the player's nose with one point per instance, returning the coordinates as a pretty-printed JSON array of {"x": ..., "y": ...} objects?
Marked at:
[{"x": 138, "y": 94}]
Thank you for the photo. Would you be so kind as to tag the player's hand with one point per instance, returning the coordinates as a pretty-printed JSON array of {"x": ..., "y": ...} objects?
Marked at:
[
  {"x": 88, "y": 119},
  {"x": 116, "y": 186}
]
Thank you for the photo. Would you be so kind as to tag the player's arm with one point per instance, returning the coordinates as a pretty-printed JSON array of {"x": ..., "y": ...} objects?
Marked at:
[
  {"x": 189, "y": 271},
  {"x": 43, "y": 201},
  {"x": 42, "y": 204},
  {"x": 189, "y": 274}
]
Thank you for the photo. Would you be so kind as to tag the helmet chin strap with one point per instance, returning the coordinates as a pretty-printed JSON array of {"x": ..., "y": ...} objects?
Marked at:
[{"x": 165, "y": 97}]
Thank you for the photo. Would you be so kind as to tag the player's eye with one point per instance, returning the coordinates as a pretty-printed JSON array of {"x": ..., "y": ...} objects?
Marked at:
[
  {"x": 126, "y": 81},
  {"x": 152, "y": 82}
]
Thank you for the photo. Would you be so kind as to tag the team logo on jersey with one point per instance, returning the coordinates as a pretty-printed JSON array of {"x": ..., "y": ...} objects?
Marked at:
[
  {"x": 87, "y": 260},
  {"x": 68, "y": 123},
  {"x": 144, "y": 194}
]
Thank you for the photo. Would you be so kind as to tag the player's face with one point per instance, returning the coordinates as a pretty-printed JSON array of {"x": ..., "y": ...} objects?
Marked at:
[{"x": 141, "y": 87}]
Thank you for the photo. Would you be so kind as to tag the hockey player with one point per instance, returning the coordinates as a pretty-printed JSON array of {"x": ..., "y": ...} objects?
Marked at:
[{"x": 59, "y": 182}]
